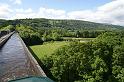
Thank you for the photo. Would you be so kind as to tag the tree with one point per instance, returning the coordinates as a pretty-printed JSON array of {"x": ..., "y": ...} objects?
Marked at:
[
  {"x": 29, "y": 35},
  {"x": 9, "y": 28},
  {"x": 97, "y": 61},
  {"x": 56, "y": 36},
  {"x": 77, "y": 34}
]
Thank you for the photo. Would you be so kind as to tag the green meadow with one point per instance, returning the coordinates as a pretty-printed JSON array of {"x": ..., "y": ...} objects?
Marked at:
[{"x": 47, "y": 48}]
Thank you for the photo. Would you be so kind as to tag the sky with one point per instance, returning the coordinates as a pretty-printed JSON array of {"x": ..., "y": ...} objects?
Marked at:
[{"x": 101, "y": 11}]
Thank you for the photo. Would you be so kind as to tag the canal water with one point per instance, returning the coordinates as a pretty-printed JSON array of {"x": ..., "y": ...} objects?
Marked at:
[{"x": 13, "y": 60}]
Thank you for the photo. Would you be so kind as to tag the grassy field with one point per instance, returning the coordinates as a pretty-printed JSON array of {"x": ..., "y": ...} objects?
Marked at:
[{"x": 47, "y": 48}]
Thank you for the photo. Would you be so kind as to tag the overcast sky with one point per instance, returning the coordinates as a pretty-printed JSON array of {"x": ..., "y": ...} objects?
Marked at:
[{"x": 102, "y": 11}]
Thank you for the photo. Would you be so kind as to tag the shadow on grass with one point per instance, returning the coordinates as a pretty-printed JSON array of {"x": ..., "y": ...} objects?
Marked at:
[{"x": 45, "y": 69}]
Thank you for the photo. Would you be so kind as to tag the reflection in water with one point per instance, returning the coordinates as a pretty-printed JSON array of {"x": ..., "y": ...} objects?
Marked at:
[{"x": 13, "y": 62}]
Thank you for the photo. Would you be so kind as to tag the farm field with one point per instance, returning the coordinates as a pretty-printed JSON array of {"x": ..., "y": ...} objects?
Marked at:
[{"x": 47, "y": 48}]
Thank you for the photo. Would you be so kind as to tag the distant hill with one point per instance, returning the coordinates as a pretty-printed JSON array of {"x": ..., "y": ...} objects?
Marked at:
[
  {"x": 4, "y": 23},
  {"x": 67, "y": 24}
]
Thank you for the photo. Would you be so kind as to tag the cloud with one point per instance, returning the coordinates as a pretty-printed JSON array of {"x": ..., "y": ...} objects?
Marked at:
[
  {"x": 29, "y": 10},
  {"x": 18, "y": 2},
  {"x": 51, "y": 13},
  {"x": 4, "y": 10},
  {"x": 112, "y": 12},
  {"x": 23, "y": 13},
  {"x": 41, "y": 13}
]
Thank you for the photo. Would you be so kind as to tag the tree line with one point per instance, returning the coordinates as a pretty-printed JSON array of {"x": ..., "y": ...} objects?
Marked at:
[
  {"x": 101, "y": 60},
  {"x": 34, "y": 36},
  {"x": 67, "y": 24}
]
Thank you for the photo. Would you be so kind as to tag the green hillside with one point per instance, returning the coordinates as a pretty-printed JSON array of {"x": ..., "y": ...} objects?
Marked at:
[{"x": 68, "y": 24}]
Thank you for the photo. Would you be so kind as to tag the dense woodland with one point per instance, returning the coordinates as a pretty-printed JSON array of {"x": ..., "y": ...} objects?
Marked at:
[
  {"x": 67, "y": 24},
  {"x": 100, "y": 60}
]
